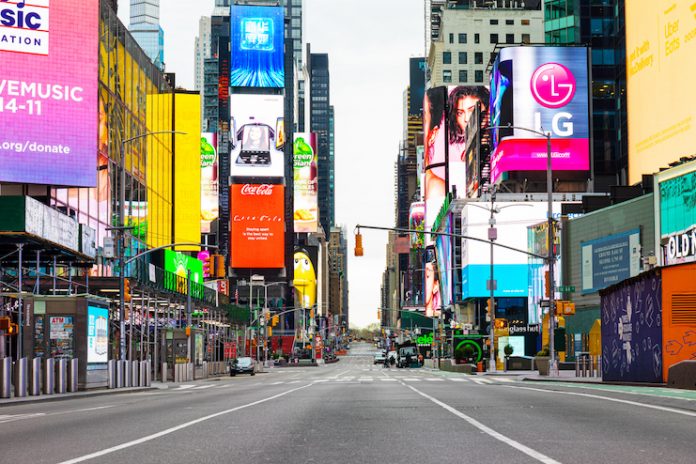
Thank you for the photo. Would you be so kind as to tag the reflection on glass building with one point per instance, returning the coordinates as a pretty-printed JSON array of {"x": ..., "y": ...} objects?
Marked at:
[
  {"x": 134, "y": 99},
  {"x": 146, "y": 29}
]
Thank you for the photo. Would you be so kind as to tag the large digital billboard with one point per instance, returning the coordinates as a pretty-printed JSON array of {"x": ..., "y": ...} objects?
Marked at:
[
  {"x": 257, "y": 46},
  {"x": 209, "y": 180},
  {"x": 544, "y": 89},
  {"x": 257, "y": 226},
  {"x": 257, "y": 136},
  {"x": 675, "y": 199},
  {"x": 306, "y": 182},
  {"x": 48, "y": 92},
  {"x": 660, "y": 50},
  {"x": 443, "y": 247},
  {"x": 609, "y": 260},
  {"x": 180, "y": 264}
]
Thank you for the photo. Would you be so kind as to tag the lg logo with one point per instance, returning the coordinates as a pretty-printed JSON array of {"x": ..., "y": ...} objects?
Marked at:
[{"x": 553, "y": 85}]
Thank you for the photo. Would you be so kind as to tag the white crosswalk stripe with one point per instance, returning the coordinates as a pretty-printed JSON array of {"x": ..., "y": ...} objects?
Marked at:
[
  {"x": 411, "y": 380},
  {"x": 184, "y": 387},
  {"x": 203, "y": 387},
  {"x": 458, "y": 379},
  {"x": 435, "y": 380},
  {"x": 482, "y": 381}
]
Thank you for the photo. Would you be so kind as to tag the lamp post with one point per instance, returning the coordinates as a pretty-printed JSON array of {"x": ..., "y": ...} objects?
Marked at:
[{"x": 121, "y": 231}]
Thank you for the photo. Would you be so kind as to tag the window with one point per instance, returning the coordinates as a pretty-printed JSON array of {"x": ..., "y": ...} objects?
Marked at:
[
  {"x": 462, "y": 38},
  {"x": 509, "y": 38},
  {"x": 525, "y": 22},
  {"x": 463, "y": 75},
  {"x": 526, "y": 39},
  {"x": 478, "y": 76},
  {"x": 510, "y": 22},
  {"x": 477, "y": 38},
  {"x": 446, "y": 75},
  {"x": 451, "y": 38},
  {"x": 494, "y": 38},
  {"x": 478, "y": 58},
  {"x": 494, "y": 22},
  {"x": 463, "y": 58},
  {"x": 447, "y": 57}
]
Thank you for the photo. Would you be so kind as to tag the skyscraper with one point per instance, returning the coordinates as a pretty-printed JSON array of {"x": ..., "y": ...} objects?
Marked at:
[
  {"x": 320, "y": 122},
  {"x": 146, "y": 30}
]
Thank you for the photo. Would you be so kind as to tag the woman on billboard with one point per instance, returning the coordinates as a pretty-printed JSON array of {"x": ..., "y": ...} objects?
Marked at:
[{"x": 432, "y": 284}]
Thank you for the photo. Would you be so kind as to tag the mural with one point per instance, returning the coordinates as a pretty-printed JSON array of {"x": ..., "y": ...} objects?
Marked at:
[{"x": 632, "y": 331}]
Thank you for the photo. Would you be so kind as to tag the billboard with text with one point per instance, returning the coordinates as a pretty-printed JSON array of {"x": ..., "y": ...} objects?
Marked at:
[
  {"x": 209, "y": 180},
  {"x": 48, "y": 92},
  {"x": 306, "y": 182},
  {"x": 543, "y": 89},
  {"x": 257, "y": 226}
]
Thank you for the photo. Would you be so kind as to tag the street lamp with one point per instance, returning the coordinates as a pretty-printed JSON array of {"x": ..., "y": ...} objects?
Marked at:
[{"x": 121, "y": 230}]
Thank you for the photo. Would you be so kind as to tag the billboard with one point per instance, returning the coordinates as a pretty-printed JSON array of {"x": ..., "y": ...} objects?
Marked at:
[
  {"x": 609, "y": 260},
  {"x": 446, "y": 115},
  {"x": 305, "y": 277},
  {"x": 306, "y": 182},
  {"x": 48, "y": 92},
  {"x": 209, "y": 180},
  {"x": 416, "y": 85},
  {"x": 433, "y": 297},
  {"x": 416, "y": 217},
  {"x": 676, "y": 224},
  {"x": 258, "y": 136},
  {"x": 97, "y": 334},
  {"x": 659, "y": 61},
  {"x": 257, "y": 46},
  {"x": 443, "y": 247},
  {"x": 257, "y": 226},
  {"x": 179, "y": 264},
  {"x": 544, "y": 89}
]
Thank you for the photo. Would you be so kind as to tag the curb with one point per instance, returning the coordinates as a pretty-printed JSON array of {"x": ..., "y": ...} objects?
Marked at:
[{"x": 59, "y": 397}]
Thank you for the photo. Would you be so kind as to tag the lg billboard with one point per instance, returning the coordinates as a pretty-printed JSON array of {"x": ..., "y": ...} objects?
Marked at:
[
  {"x": 48, "y": 92},
  {"x": 257, "y": 46},
  {"x": 257, "y": 226},
  {"x": 544, "y": 89}
]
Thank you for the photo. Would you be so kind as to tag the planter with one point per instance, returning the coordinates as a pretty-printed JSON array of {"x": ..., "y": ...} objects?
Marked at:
[{"x": 542, "y": 364}]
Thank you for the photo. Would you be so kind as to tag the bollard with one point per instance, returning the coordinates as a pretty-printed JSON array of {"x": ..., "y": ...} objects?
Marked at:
[
  {"x": 119, "y": 374},
  {"x": 20, "y": 378},
  {"x": 111, "y": 373},
  {"x": 177, "y": 373},
  {"x": 49, "y": 375},
  {"x": 135, "y": 370},
  {"x": 73, "y": 366},
  {"x": 165, "y": 373},
  {"x": 61, "y": 377},
  {"x": 5, "y": 377},
  {"x": 35, "y": 377},
  {"x": 148, "y": 374},
  {"x": 189, "y": 377},
  {"x": 577, "y": 366},
  {"x": 142, "y": 375},
  {"x": 126, "y": 374}
]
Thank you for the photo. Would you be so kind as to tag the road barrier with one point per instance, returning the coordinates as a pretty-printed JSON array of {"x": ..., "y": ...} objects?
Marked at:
[{"x": 5, "y": 377}]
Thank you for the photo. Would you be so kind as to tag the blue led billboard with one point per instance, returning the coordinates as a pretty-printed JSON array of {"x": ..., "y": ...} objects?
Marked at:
[{"x": 257, "y": 46}]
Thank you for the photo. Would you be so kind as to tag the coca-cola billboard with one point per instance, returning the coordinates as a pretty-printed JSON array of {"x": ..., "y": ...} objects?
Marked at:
[{"x": 257, "y": 226}]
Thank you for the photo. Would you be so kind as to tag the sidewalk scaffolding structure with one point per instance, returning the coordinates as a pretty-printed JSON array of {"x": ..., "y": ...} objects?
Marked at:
[{"x": 60, "y": 327}]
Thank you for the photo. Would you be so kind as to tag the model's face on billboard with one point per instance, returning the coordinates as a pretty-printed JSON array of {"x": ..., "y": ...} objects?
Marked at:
[{"x": 465, "y": 107}]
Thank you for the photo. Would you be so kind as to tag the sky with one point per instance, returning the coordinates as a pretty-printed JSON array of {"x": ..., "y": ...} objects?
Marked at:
[{"x": 369, "y": 43}]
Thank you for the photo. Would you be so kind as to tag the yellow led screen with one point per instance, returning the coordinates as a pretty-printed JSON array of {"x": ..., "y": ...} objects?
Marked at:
[{"x": 660, "y": 61}]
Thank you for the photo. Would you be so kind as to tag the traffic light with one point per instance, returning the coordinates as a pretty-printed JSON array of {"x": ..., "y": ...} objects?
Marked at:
[
  {"x": 127, "y": 297},
  {"x": 379, "y": 315},
  {"x": 220, "y": 268},
  {"x": 358, "y": 244},
  {"x": 275, "y": 320},
  {"x": 566, "y": 308},
  {"x": 269, "y": 331},
  {"x": 209, "y": 266},
  {"x": 5, "y": 323},
  {"x": 547, "y": 284}
]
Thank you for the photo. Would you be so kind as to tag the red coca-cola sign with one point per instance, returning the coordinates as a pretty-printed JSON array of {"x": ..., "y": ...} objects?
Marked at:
[{"x": 262, "y": 189}]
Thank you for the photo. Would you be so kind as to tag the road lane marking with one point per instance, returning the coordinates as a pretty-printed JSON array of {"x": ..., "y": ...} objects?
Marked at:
[
  {"x": 607, "y": 398},
  {"x": 184, "y": 387},
  {"x": 177, "y": 428},
  {"x": 459, "y": 380},
  {"x": 388, "y": 380},
  {"x": 487, "y": 430},
  {"x": 203, "y": 387},
  {"x": 15, "y": 417},
  {"x": 434, "y": 380},
  {"x": 411, "y": 380}
]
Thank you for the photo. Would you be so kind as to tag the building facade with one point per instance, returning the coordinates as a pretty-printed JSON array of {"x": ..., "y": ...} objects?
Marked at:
[{"x": 146, "y": 30}]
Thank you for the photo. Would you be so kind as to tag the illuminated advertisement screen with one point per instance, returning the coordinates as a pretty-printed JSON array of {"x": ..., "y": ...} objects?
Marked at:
[
  {"x": 209, "y": 180},
  {"x": 97, "y": 334},
  {"x": 179, "y": 264},
  {"x": 257, "y": 46},
  {"x": 48, "y": 92},
  {"x": 305, "y": 281},
  {"x": 433, "y": 295},
  {"x": 446, "y": 139},
  {"x": 258, "y": 136},
  {"x": 660, "y": 50},
  {"x": 306, "y": 183},
  {"x": 257, "y": 226},
  {"x": 677, "y": 219},
  {"x": 416, "y": 218},
  {"x": 443, "y": 246},
  {"x": 543, "y": 89}
]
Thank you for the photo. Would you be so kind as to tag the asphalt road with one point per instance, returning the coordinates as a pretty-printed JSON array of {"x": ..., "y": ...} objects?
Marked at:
[{"x": 355, "y": 412}]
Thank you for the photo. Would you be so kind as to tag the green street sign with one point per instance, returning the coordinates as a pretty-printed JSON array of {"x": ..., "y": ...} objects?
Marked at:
[{"x": 566, "y": 289}]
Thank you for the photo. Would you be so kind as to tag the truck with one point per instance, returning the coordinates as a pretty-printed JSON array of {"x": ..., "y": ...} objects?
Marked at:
[{"x": 407, "y": 356}]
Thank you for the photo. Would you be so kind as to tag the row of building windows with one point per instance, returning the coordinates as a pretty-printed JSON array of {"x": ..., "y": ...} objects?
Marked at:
[
  {"x": 463, "y": 76},
  {"x": 463, "y": 38},
  {"x": 495, "y": 39}
]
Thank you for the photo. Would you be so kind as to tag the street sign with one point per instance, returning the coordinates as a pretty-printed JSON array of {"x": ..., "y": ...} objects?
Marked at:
[
  {"x": 545, "y": 303},
  {"x": 109, "y": 247},
  {"x": 566, "y": 289}
]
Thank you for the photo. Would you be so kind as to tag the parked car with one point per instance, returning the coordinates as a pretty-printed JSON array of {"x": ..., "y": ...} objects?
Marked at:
[
  {"x": 242, "y": 366},
  {"x": 379, "y": 357}
]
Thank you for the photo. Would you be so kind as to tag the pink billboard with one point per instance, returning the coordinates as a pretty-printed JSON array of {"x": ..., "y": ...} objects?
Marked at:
[{"x": 48, "y": 92}]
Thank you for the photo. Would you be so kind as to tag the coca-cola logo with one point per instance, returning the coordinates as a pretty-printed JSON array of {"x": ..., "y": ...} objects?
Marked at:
[{"x": 263, "y": 189}]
